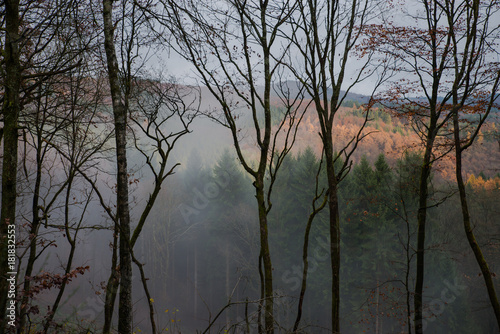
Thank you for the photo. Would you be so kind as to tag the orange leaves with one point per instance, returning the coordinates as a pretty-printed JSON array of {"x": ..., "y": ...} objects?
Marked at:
[{"x": 478, "y": 183}]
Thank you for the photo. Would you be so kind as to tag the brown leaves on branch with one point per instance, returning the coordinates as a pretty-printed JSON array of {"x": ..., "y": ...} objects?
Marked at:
[{"x": 46, "y": 281}]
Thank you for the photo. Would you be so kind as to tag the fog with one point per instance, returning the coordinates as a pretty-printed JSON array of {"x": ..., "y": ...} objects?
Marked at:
[{"x": 200, "y": 245}]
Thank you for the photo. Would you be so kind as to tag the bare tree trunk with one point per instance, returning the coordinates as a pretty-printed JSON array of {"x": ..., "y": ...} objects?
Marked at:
[
  {"x": 305, "y": 250},
  {"x": 333, "y": 207},
  {"x": 259, "y": 179},
  {"x": 407, "y": 247},
  {"x": 228, "y": 290},
  {"x": 112, "y": 285},
  {"x": 72, "y": 242},
  {"x": 33, "y": 231},
  {"x": 325, "y": 66},
  {"x": 266, "y": 258},
  {"x": 476, "y": 249},
  {"x": 144, "y": 280},
  {"x": 259, "y": 23},
  {"x": 425, "y": 172},
  {"x": 11, "y": 110},
  {"x": 473, "y": 49},
  {"x": 120, "y": 121},
  {"x": 377, "y": 321}
]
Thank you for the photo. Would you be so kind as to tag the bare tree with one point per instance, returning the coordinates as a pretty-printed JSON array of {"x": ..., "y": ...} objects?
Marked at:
[
  {"x": 53, "y": 107},
  {"x": 80, "y": 147},
  {"x": 425, "y": 59},
  {"x": 160, "y": 113},
  {"x": 45, "y": 47},
  {"x": 327, "y": 35},
  {"x": 476, "y": 90},
  {"x": 316, "y": 209},
  {"x": 122, "y": 200},
  {"x": 237, "y": 51}
]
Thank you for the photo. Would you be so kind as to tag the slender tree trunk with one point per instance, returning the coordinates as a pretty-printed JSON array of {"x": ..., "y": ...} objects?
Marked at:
[
  {"x": 11, "y": 110},
  {"x": 260, "y": 329},
  {"x": 120, "y": 121},
  {"x": 407, "y": 274},
  {"x": 33, "y": 232},
  {"x": 69, "y": 262},
  {"x": 333, "y": 207},
  {"x": 228, "y": 289},
  {"x": 303, "y": 286},
  {"x": 111, "y": 286},
  {"x": 265, "y": 257},
  {"x": 35, "y": 224},
  {"x": 476, "y": 249},
  {"x": 150, "y": 301},
  {"x": 305, "y": 251},
  {"x": 377, "y": 321},
  {"x": 425, "y": 172},
  {"x": 260, "y": 176},
  {"x": 247, "y": 323}
]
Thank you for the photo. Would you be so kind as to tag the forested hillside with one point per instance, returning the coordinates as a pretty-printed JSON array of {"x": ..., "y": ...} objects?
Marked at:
[{"x": 393, "y": 136}]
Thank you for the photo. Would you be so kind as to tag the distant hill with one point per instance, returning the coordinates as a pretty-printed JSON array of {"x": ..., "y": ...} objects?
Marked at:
[{"x": 294, "y": 86}]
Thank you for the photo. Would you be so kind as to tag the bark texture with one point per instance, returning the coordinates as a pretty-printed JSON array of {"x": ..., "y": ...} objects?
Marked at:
[
  {"x": 120, "y": 121},
  {"x": 11, "y": 110},
  {"x": 425, "y": 172}
]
